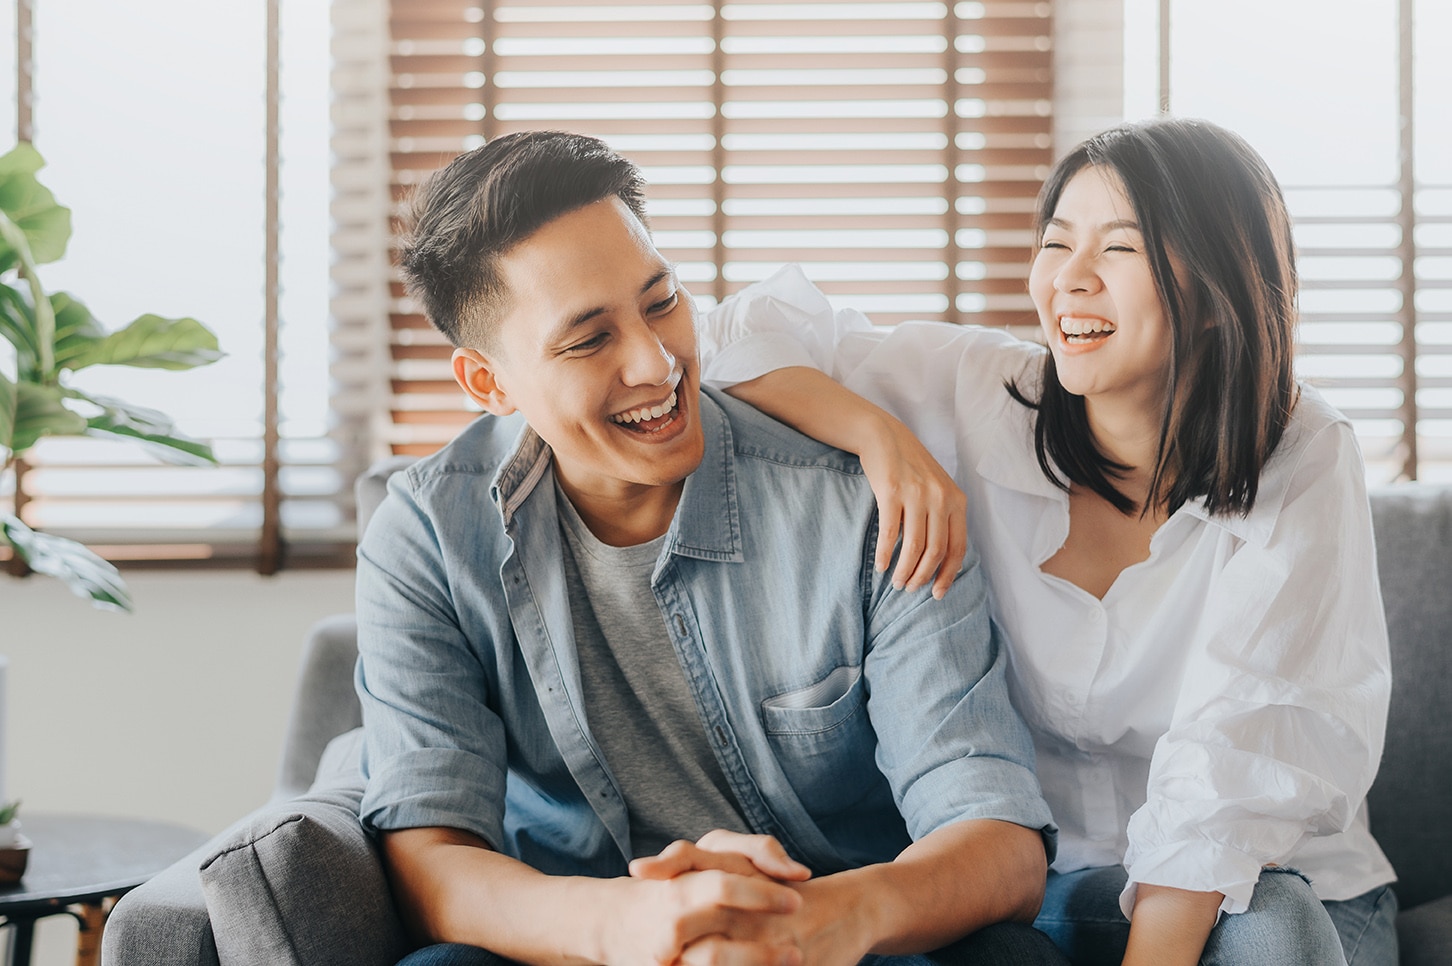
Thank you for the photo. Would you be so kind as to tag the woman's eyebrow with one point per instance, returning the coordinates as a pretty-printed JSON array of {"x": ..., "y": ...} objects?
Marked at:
[{"x": 1128, "y": 223}]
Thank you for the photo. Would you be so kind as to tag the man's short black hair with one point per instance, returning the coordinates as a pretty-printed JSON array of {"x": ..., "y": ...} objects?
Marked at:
[{"x": 483, "y": 203}]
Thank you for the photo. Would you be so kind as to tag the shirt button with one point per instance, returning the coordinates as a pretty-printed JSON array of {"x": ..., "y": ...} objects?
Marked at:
[{"x": 680, "y": 625}]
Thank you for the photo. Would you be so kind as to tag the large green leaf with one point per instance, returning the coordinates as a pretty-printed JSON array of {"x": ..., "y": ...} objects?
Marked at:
[
  {"x": 76, "y": 330},
  {"x": 42, "y": 319},
  {"x": 155, "y": 430},
  {"x": 7, "y": 411},
  {"x": 17, "y": 325},
  {"x": 154, "y": 343},
  {"x": 40, "y": 411},
  {"x": 84, "y": 572},
  {"x": 31, "y": 206}
]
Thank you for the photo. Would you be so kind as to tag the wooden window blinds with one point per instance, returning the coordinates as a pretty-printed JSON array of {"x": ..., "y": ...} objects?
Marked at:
[{"x": 893, "y": 148}]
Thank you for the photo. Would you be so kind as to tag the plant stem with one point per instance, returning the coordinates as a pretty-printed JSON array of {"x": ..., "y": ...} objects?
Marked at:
[{"x": 16, "y": 566}]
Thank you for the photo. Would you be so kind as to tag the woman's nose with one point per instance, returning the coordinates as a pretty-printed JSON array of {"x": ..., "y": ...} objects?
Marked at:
[{"x": 1076, "y": 275}]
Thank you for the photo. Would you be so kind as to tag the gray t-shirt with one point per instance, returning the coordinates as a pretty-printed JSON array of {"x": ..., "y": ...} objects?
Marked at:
[{"x": 640, "y": 710}]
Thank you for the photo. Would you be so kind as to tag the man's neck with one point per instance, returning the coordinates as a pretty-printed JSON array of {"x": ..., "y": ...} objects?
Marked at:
[{"x": 622, "y": 514}]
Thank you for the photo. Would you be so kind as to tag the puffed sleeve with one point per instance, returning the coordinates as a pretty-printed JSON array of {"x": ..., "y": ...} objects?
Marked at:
[
  {"x": 1281, "y": 713},
  {"x": 781, "y": 321},
  {"x": 434, "y": 753}
]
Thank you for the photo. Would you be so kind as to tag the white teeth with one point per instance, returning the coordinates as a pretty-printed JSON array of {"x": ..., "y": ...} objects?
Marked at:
[
  {"x": 1071, "y": 325},
  {"x": 650, "y": 412}
]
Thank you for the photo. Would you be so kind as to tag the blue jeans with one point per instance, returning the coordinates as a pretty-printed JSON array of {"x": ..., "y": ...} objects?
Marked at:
[
  {"x": 1285, "y": 923},
  {"x": 1004, "y": 944}
]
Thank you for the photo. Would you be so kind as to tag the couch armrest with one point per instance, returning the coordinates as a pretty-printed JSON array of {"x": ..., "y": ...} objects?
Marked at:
[
  {"x": 163, "y": 922},
  {"x": 299, "y": 883}
]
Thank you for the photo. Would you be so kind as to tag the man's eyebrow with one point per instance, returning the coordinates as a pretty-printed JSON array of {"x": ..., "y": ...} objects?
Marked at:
[
  {"x": 585, "y": 315},
  {"x": 1128, "y": 223}
]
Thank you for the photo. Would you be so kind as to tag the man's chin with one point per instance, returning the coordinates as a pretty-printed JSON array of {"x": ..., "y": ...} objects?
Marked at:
[{"x": 674, "y": 461}]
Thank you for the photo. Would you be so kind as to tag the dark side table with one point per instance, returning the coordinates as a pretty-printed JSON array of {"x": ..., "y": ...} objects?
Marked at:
[{"x": 80, "y": 865}]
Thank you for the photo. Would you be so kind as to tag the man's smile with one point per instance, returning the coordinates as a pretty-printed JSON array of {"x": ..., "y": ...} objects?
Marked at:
[{"x": 654, "y": 416}]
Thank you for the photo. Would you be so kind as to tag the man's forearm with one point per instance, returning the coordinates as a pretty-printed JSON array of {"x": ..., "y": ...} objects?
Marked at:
[
  {"x": 951, "y": 883},
  {"x": 452, "y": 887},
  {"x": 958, "y": 879}
]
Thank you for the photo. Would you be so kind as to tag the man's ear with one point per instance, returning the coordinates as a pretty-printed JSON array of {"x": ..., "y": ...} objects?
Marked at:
[{"x": 476, "y": 375}]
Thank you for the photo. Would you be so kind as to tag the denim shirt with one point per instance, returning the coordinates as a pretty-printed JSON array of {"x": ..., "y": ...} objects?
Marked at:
[{"x": 849, "y": 718}]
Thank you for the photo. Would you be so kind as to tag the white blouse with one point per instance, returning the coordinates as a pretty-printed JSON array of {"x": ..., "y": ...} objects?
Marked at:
[{"x": 1223, "y": 707}]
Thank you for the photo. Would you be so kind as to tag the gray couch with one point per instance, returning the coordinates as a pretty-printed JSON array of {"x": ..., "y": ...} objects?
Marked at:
[{"x": 297, "y": 883}]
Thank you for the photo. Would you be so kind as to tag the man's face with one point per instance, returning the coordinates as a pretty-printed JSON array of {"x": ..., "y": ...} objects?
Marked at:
[{"x": 596, "y": 347}]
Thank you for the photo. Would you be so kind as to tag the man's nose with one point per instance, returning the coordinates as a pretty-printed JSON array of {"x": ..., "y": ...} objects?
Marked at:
[{"x": 648, "y": 361}]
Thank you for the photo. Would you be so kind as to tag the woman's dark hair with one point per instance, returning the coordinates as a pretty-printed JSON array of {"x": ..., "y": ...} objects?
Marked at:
[
  {"x": 483, "y": 203},
  {"x": 1203, "y": 195}
]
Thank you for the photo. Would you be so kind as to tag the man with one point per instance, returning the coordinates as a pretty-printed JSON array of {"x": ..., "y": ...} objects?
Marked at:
[{"x": 629, "y": 620}]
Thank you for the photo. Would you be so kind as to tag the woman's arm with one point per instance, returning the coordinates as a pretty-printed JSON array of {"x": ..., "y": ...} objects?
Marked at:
[
  {"x": 1170, "y": 926},
  {"x": 1281, "y": 706},
  {"x": 916, "y": 498}
]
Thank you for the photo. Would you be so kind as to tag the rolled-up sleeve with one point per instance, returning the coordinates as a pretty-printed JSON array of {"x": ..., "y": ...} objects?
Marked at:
[
  {"x": 963, "y": 752},
  {"x": 434, "y": 751},
  {"x": 1281, "y": 715}
]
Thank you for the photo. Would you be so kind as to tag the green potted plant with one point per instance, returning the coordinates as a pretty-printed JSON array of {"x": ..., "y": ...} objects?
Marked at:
[
  {"x": 51, "y": 337},
  {"x": 14, "y": 847}
]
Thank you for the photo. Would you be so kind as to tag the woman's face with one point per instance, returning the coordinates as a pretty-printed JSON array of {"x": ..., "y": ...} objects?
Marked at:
[{"x": 1096, "y": 297}]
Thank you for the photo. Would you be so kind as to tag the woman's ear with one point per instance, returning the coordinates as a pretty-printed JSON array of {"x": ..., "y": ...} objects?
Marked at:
[{"x": 476, "y": 375}]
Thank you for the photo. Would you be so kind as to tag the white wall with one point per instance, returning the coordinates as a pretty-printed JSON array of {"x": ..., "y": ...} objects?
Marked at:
[{"x": 175, "y": 712}]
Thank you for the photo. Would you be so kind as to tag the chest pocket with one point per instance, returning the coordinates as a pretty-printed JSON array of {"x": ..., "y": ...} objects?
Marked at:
[{"x": 824, "y": 741}]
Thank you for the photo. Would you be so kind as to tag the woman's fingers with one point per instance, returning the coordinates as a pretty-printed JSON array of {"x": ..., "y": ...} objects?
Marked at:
[
  {"x": 933, "y": 556},
  {"x": 889, "y": 525},
  {"x": 953, "y": 558},
  {"x": 919, "y": 505},
  {"x": 934, "y": 539},
  {"x": 915, "y": 523}
]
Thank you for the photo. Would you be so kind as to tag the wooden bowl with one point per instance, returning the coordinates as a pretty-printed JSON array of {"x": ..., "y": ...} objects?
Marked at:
[{"x": 13, "y": 859}]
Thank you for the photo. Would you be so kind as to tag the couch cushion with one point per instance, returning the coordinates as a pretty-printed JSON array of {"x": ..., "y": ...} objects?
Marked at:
[
  {"x": 1408, "y": 802},
  {"x": 1425, "y": 934},
  {"x": 300, "y": 883}
]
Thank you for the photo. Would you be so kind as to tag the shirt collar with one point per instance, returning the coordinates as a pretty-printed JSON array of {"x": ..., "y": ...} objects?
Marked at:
[
  {"x": 707, "y": 521},
  {"x": 1007, "y": 461},
  {"x": 519, "y": 473},
  {"x": 1310, "y": 415},
  {"x": 1010, "y": 463}
]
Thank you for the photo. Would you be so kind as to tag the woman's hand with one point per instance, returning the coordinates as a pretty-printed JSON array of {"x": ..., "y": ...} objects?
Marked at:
[
  {"x": 916, "y": 498},
  {"x": 918, "y": 501}
]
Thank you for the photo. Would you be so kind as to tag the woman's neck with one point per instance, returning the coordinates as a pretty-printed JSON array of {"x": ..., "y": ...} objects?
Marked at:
[{"x": 1128, "y": 434}]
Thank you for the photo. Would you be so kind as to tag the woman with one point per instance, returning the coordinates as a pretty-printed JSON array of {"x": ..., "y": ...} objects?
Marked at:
[{"x": 1176, "y": 535}]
